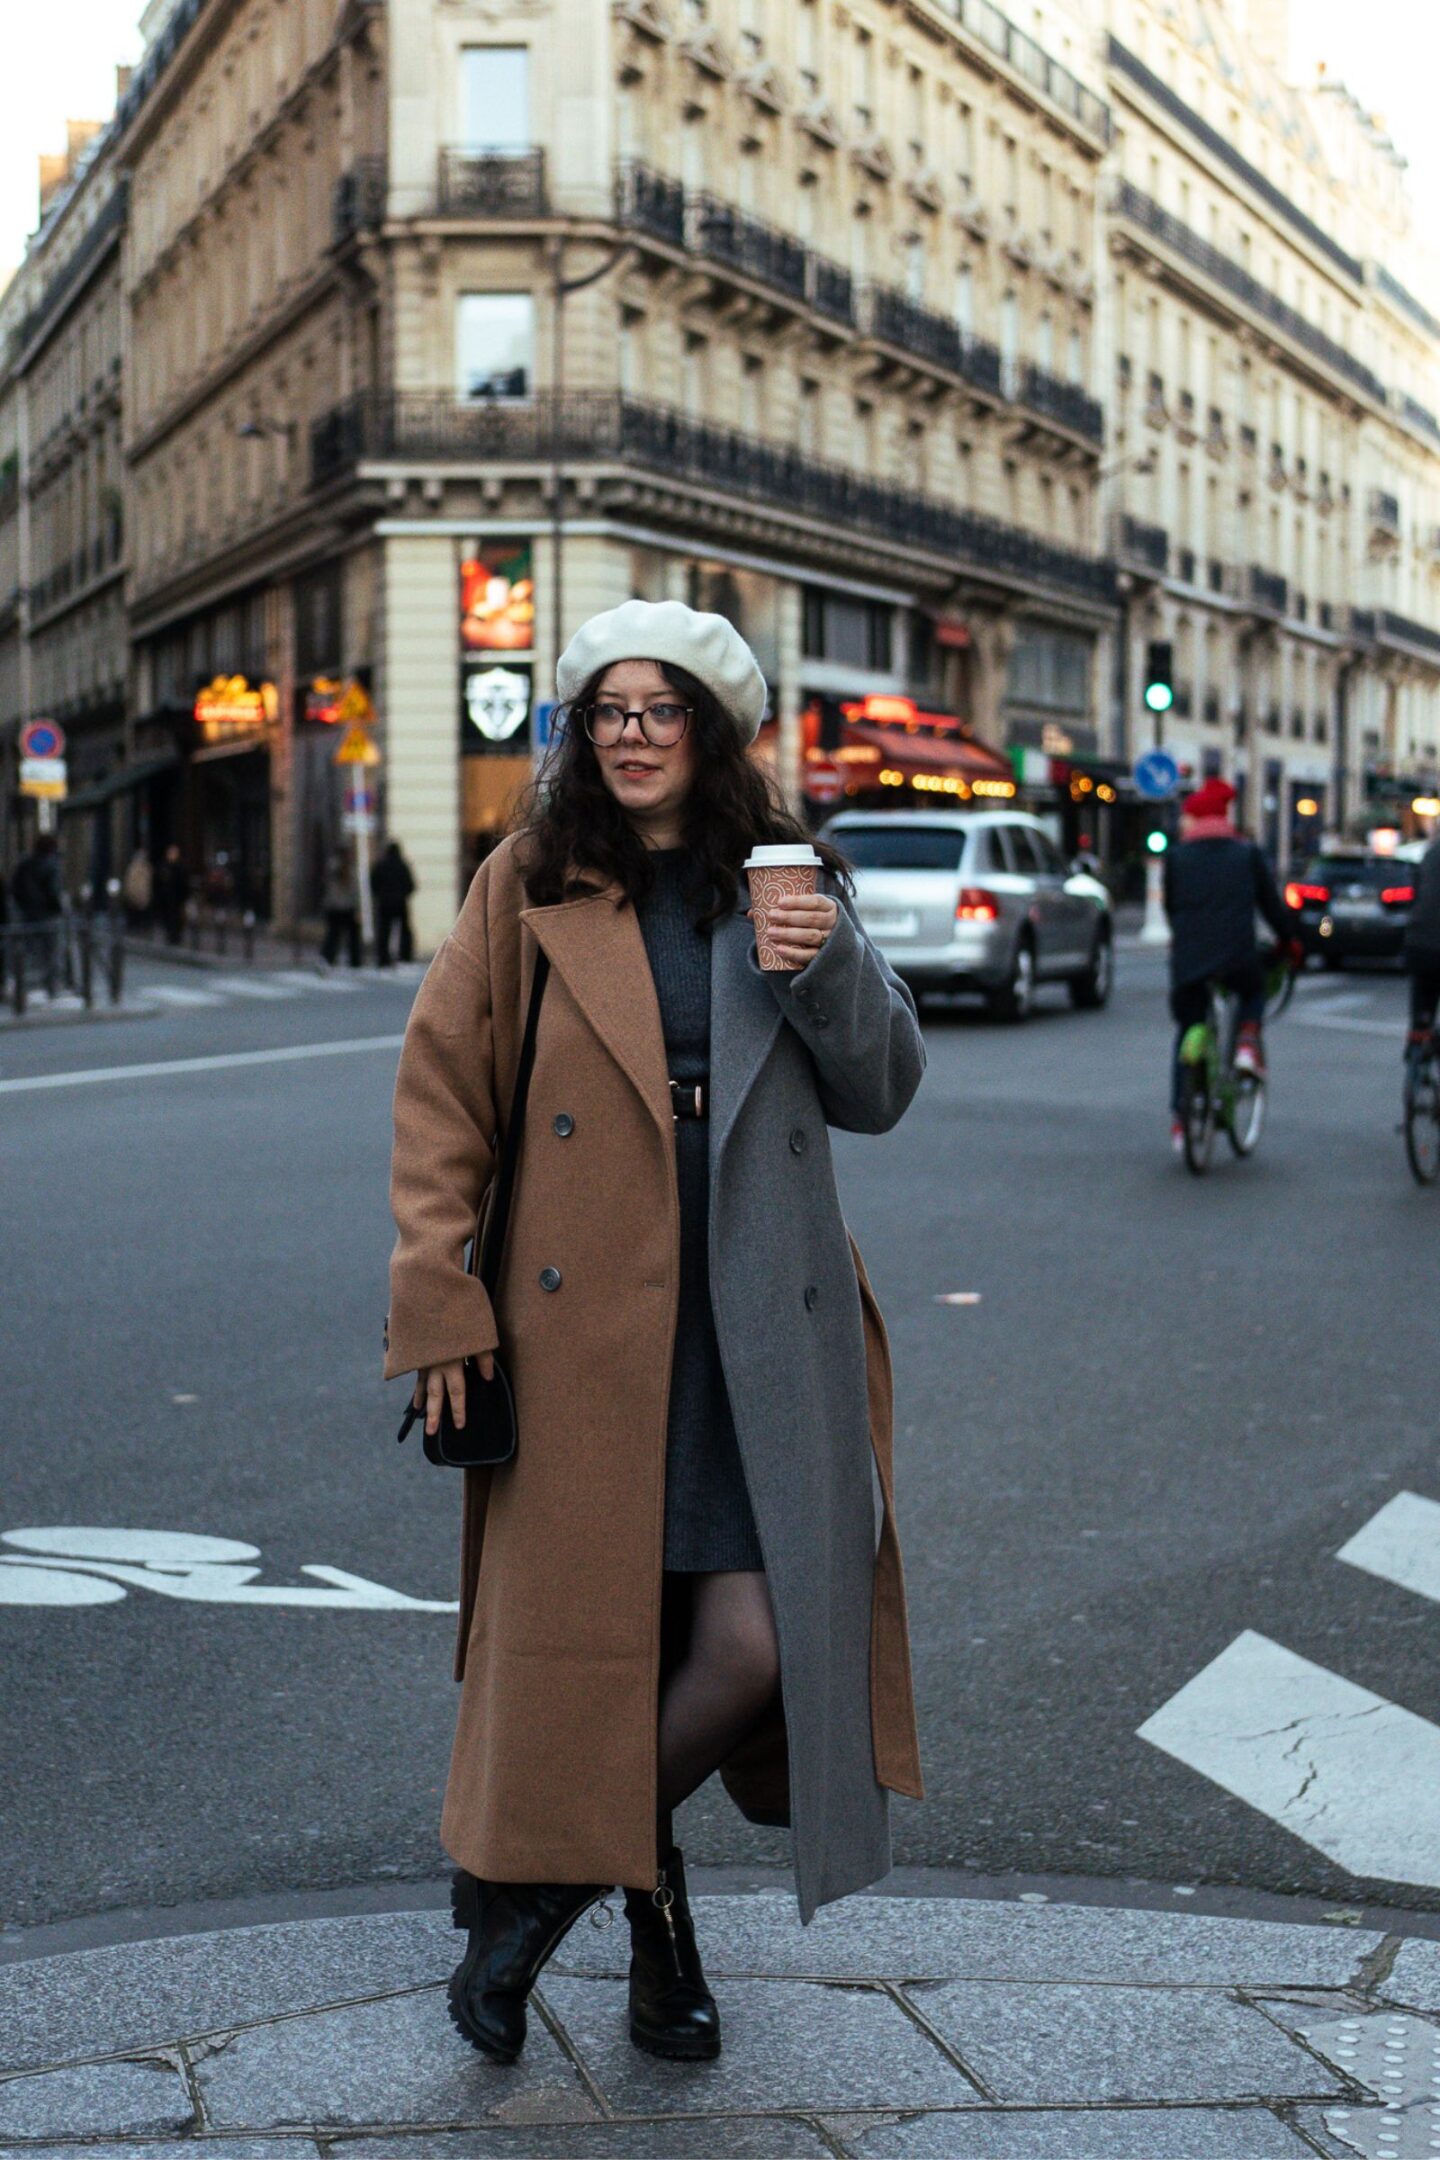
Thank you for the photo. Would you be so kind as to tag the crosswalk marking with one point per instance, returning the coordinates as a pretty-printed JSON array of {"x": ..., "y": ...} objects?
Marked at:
[
  {"x": 174, "y": 994},
  {"x": 1401, "y": 1545},
  {"x": 1355, "y": 1776},
  {"x": 253, "y": 986},
  {"x": 311, "y": 979}
]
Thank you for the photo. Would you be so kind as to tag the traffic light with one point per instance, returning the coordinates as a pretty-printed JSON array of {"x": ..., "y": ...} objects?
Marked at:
[
  {"x": 1159, "y": 675},
  {"x": 1157, "y": 842}
]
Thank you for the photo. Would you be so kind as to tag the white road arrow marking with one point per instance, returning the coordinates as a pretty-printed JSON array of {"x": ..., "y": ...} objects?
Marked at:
[
  {"x": 1401, "y": 1545},
  {"x": 94, "y": 1566},
  {"x": 1353, "y": 1775}
]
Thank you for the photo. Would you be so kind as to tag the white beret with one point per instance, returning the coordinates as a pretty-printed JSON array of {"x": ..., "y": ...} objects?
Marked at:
[{"x": 706, "y": 646}]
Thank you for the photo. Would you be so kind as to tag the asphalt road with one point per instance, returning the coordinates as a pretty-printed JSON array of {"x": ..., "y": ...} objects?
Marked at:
[{"x": 1172, "y": 1404}]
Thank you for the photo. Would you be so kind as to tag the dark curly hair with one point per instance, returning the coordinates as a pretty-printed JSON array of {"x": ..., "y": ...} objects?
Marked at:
[{"x": 572, "y": 830}]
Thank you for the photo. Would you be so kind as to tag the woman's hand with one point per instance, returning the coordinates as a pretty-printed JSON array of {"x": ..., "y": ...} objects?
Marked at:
[
  {"x": 433, "y": 1385},
  {"x": 799, "y": 926}
]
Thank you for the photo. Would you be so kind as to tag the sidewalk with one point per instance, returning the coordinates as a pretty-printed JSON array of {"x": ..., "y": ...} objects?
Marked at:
[{"x": 896, "y": 2028}]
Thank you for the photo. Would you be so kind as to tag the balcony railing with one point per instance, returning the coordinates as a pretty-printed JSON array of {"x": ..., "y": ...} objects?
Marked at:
[
  {"x": 1393, "y": 629},
  {"x": 1267, "y": 590},
  {"x": 607, "y": 427},
  {"x": 927, "y": 335},
  {"x": 493, "y": 183},
  {"x": 1142, "y": 545},
  {"x": 1419, "y": 416},
  {"x": 720, "y": 232},
  {"x": 1397, "y": 295},
  {"x": 107, "y": 224},
  {"x": 832, "y": 290},
  {"x": 1141, "y": 209},
  {"x": 1384, "y": 511},
  {"x": 650, "y": 202},
  {"x": 359, "y": 200},
  {"x": 985, "y": 21},
  {"x": 1221, "y": 147},
  {"x": 1063, "y": 402}
]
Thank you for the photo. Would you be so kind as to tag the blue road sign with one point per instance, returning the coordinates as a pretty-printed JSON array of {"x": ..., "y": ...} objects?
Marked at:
[
  {"x": 1157, "y": 775},
  {"x": 545, "y": 728}
]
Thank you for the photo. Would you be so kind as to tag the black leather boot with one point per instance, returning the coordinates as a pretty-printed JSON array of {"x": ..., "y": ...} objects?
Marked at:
[
  {"x": 514, "y": 1928},
  {"x": 672, "y": 2012}
]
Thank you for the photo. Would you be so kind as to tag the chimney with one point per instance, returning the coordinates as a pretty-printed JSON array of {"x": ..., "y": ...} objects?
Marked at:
[
  {"x": 79, "y": 134},
  {"x": 54, "y": 172},
  {"x": 122, "y": 81}
]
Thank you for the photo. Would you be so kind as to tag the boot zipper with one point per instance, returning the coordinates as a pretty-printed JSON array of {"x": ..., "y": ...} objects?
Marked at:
[{"x": 663, "y": 1901}]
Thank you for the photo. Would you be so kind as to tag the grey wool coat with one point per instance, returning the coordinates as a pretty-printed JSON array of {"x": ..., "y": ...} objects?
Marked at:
[{"x": 553, "y": 1776}]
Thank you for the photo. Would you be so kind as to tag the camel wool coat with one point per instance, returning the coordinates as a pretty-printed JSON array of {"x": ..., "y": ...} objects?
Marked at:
[{"x": 553, "y": 1777}]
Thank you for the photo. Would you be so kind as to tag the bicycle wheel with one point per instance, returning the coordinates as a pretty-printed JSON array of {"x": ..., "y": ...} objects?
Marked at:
[
  {"x": 1279, "y": 989},
  {"x": 1422, "y": 1120},
  {"x": 1197, "y": 1118},
  {"x": 1246, "y": 1117}
]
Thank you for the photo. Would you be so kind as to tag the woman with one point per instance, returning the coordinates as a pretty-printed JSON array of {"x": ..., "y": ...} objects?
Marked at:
[{"x": 681, "y": 1570}]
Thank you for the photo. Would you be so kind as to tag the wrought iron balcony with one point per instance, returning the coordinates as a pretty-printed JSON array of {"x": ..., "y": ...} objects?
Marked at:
[
  {"x": 1267, "y": 590},
  {"x": 359, "y": 200},
  {"x": 888, "y": 315},
  {"x": 605, "y": 427},
  {"x": 493, "y": 183},
  {"x": 1063, "y": 402},
  {"x": 650, "y": 202},
  {"x": 1029, "y": 60},
  {"x": 832, "y": 290},
  {"x": 719, "y": 232},
  {"x": 1181, "y": 239},
  {"x": 1140, "y": 545},
  {"x": 1384, "y": 511},
  {"x": 1185, "y": 566},
  {"x": 1419, "y": 416},
  {"x": 1393, "y": 629}
]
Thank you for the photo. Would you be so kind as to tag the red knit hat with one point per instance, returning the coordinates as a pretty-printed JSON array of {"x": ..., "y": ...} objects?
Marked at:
[{"x": 1213, "y": 800}]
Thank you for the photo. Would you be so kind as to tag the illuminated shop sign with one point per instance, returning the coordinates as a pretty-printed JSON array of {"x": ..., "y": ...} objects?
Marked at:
[
  {"x": 497, "y": 600},
  {"x": 231, "y": 705},
  {"x": 338, "y": 704}
]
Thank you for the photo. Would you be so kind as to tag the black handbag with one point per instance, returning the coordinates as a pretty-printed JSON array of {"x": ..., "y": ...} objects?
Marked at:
[{"x": 490, "y": 1434}]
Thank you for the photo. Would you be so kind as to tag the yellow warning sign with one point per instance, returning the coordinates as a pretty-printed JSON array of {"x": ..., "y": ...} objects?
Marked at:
[
  {"x": 356, "y": 748},
  {"x": 355, "y": 705}
]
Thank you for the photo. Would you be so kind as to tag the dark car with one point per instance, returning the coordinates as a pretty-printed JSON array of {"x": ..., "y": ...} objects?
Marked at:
[{"x": 1352, "y": 907}]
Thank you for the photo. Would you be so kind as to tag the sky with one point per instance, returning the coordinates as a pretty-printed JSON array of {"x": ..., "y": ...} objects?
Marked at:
[{"x": 60, "y": 59}]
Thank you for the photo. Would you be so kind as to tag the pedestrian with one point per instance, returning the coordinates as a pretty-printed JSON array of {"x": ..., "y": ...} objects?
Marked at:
[
  {"x": 392, "y": 881},
  {"x": 1422, "y": 946},
  {"x": 172, "y": 893},
  {"x": 137, "y": 889},
  {"x": 341, "y": 905},
  {"x": 39, "y": 896},
  {"x": 680, "y": 1571}
]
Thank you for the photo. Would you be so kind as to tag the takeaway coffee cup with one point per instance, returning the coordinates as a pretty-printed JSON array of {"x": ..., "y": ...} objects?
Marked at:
[{"x": 778, "y": 873}]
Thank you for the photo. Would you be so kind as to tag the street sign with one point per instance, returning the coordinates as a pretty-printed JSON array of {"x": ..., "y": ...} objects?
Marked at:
[
  {"x": 359, "y": 821},
  {"x": 356, "y": 748},
  {"x": 43, "y": 779},
  {"x": 42, "y": 739},
  {"x": 355, "y": 706},
  {"x": 823, "y": 781},
  {"x": 1157, "y": 775}
]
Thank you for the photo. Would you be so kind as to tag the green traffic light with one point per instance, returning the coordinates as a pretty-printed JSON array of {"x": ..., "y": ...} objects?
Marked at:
[
  {"x": 1157, "y": 842},
  {"x": 1159, "y": 696}
]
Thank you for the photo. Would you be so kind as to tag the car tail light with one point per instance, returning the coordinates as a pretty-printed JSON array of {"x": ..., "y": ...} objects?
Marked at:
[
  {"x": 1298, "y": 896},
  {"x": 976, "y": 905},
  {"x": 1397, "y": 895}
]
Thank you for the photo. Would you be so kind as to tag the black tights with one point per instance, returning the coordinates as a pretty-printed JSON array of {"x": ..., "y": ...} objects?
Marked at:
[{"x": 720, "y": 1668}]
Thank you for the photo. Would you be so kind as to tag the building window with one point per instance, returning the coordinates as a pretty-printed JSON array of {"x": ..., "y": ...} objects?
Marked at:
[
  {"x": 965, "y": 298},
  {"x": 495, "y": 345},
  {"x": 495, "y": 97},
  {"x": 864, "y": 100},
  {"x": 1010, "y": 329},
  {"x": 1074, "y": 358},
  {"x": 807, "y": 57},
  {"x": 915, "y": 268},
  {"x": 850, "y": 633},
  {"x": 1045, "y": 344}
]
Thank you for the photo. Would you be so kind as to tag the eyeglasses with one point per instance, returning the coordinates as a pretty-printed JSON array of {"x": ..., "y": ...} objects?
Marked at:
[{"x": 662, "y": 724}]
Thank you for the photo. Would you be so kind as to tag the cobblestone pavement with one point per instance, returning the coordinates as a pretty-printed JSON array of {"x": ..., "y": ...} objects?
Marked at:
[{"x": 896, "y": 2028}]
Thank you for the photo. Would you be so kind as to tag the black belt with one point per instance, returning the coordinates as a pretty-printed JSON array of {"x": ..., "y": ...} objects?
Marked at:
[{"x": 689, "y": 1099}]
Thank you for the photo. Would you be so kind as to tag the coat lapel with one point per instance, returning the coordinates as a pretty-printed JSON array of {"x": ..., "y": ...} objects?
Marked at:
[
  {"x": 596, "y": 947},
  {"x": 744, "y": 1021}
]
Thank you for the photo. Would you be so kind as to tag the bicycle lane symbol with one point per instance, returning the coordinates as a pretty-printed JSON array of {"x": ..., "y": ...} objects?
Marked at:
[{"x": 94, "y": 1566}]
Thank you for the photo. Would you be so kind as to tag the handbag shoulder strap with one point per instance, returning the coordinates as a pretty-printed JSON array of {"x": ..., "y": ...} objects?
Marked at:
[{"x": 497, "y": 1222}]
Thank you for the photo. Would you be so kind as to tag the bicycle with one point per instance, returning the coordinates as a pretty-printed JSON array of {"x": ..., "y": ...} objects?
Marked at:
[
  {"x": 1422, "y": 1109},
  {"x": 1212, "y": 1093}
]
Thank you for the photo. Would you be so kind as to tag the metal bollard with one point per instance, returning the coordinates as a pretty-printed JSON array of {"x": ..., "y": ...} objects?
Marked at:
[
  {"x": 247, "y": 926},
  {"x": 116, "y": 958},
  {"x": 18, "y": 948},
  {"x": 87, "y": 960}
]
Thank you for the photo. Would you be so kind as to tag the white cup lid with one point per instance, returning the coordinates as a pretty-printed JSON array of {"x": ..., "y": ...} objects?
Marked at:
[{"x": 792, "y": 855}]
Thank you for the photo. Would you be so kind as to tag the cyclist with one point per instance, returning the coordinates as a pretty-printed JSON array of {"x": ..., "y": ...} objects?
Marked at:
[
  {"x": 1215, "y": 882},
  {"x": 1422, "y": 946}
]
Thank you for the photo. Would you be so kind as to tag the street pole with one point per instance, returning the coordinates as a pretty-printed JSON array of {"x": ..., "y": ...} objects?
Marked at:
[{"x": 360, "y": 820}]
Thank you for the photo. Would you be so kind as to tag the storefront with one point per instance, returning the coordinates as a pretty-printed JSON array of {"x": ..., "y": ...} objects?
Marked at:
[
  {"x": 499, "y": 725},
  {"x": 883, "y": 750}
]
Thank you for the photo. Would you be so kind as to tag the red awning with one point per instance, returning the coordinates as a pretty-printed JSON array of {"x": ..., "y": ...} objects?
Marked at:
[{"x": 907, "y": 753}]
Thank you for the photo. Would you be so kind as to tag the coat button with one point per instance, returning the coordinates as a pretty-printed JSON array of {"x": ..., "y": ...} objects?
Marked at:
[
  {"x": 822, "y": 1020},
  {"x": 812, "y": 1298},
  {"x": 797, "y": 1141},
  {"x": 564, "y": 1125},
  {"x": 549, "y": 1278}
]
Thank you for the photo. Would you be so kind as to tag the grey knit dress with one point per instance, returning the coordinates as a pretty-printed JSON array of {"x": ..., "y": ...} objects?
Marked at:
[{"x": 709, "y": 1525}]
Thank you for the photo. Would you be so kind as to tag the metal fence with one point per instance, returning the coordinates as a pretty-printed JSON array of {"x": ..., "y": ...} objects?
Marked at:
[{"x": 74, "y": 953}]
